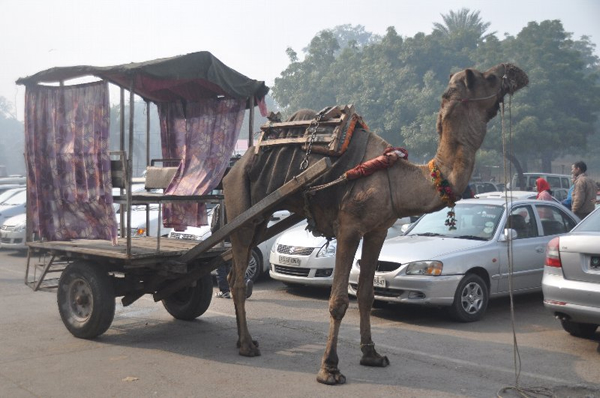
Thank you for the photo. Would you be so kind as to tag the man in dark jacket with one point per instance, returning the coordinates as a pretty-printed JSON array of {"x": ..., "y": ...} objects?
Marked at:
[{"x": 584, "y": 193}]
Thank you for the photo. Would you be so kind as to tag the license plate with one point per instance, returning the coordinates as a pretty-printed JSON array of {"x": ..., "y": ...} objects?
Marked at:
[
  {"x": 379, "y": 281},
  {"x": 289, "y": 260}
]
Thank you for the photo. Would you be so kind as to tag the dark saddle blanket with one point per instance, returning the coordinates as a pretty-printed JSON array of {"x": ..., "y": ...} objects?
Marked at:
[{"x": 329, "y": 133}]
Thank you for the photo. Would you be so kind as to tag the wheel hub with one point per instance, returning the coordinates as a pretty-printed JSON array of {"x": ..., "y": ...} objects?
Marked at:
[{"x": 81, "y": 302}]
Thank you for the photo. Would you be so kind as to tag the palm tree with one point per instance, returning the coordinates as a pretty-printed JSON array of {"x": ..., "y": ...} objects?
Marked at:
[{"x": 463, "y": 27}]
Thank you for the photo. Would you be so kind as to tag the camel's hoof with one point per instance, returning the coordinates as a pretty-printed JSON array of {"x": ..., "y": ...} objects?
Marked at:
[
  {"x": 376, "y": 361},
  {"x": 238, "y": 344},
  {"x": 331, "y": 377},
  {"x": 249, "y": 351}
]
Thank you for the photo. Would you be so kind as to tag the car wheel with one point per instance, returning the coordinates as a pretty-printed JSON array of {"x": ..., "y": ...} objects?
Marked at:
[
  {"x": 585, "y": 330},
  {"x": 189, "y": 303},
  {"x": 86, "y": 299},
  {"x": 470, "y": 300},
  {"x": 255, "y": 266}
]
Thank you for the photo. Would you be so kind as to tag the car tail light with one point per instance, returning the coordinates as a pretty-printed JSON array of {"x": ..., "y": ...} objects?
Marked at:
[{"x": 553, "y": 254}]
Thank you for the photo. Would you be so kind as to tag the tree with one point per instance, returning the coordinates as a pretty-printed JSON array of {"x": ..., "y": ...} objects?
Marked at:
[
  {"x": 315, "y": 73},
  {"x": 558, "y": 111},
  {"x": 12, "y": 137},
  {"x": 463, "y": 26}
]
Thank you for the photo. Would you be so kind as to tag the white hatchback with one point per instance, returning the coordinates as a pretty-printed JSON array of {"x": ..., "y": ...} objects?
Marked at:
[{"x": 300, "y": 258}]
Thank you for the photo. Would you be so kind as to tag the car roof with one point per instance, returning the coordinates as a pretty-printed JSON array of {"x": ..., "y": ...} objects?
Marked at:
[
  {"x": 500, "y": 200},
  {"x": 510, "y": 194}
]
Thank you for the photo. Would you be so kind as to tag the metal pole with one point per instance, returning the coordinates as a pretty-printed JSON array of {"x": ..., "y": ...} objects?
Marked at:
[
  {"x": 130, "y": 164},
  {"x": 251, "y": 123},
  {"x": 122, "y": 149},
  {"x": 148, "y": 163}
]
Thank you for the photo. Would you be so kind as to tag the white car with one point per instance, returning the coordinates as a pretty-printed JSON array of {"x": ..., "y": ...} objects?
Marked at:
[
  {"x": 259, "y": 260},
  {"x": 138, "y": 221},
  {"x": 12, "y": 233},
  {"x": 463, "y": 268},
  {"x": 12, "y": 202},
  {"x": 300, "y": 258},
  {"x": 571, "y": 282}
]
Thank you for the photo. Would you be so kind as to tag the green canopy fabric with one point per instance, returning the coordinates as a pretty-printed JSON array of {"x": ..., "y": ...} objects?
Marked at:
[{"x": 189, "y": 77}]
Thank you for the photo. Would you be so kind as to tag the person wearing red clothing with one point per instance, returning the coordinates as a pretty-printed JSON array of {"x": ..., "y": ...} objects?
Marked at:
[{"x": 543, "y": 189}]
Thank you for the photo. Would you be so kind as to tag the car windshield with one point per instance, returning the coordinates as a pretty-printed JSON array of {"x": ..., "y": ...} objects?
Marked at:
[
  {"x": 473, "y": 221},
  {"x": 590, "y": 224},
  {"x": 16, "y": 199}
]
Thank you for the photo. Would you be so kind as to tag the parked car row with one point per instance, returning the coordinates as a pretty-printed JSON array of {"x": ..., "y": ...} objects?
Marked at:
[
  {"x": 424, "y": 262},
  {"x": 12, "y": 218}
]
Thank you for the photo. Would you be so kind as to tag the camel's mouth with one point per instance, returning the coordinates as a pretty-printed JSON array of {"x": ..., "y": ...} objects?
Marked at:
[{"x": 513, "y": 79}]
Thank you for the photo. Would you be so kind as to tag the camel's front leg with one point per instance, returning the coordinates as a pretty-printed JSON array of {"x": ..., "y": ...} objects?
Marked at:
[
  {"x": 237, "y": 285},
  {"x": 371, "y": 248},
  {"x": 347, "y": 243}
]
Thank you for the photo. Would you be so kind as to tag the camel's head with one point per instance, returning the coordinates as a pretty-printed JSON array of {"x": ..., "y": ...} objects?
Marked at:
[{"x": 483, "y": 91}]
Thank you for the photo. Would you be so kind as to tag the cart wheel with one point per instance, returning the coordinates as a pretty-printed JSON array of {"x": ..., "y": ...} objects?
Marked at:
[
  {"x": 86, "y": 300},
  {"x": 191, "y": 302}
]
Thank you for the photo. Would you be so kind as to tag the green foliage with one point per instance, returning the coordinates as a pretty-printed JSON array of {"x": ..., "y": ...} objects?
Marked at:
[{"x": 396, "y": 83}]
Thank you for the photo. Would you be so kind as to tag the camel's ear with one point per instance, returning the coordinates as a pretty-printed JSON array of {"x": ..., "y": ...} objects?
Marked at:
[{"x": 469, "y": 78}]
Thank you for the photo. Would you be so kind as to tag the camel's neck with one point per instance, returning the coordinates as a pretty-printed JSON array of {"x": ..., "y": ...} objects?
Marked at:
[{"x": 460, "y": 139}]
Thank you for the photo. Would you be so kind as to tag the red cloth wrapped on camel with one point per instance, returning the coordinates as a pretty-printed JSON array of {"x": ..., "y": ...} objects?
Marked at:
[{"x": 389, "y": 157}]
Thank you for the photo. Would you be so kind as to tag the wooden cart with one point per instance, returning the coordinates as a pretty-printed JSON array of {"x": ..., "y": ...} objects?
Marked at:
[{"x": 177, "y": 272}]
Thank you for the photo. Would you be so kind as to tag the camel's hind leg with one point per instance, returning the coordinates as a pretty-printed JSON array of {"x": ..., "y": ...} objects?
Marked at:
[
  {"x": 372, "y": 244},
  {"x": 347, "y": 243},
  {"x": 241, "y": 243}
]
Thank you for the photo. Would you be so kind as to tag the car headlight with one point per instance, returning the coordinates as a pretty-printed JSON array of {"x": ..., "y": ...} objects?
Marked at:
[
  {"x": 20, "y": 227},
  {"x": 424, "y": 268},
  {"x": 327, "y": 250}
]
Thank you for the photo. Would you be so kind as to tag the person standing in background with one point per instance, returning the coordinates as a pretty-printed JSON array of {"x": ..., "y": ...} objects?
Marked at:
[
  {"x": 543, "y": 189},
  {"x": 584, "y": 192}
]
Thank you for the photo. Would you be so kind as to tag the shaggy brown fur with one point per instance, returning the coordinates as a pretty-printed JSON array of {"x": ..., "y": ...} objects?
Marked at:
[{"x": 367, "y": 207}]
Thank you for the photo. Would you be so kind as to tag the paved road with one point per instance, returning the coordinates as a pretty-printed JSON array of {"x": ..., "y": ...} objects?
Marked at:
[{"x": 146, "y": 353}]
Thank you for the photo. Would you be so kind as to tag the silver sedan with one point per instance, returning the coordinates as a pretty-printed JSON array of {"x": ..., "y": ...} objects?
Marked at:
[
  {"x": 490, "y": 252},
  {"x": 571, "y": 282}
]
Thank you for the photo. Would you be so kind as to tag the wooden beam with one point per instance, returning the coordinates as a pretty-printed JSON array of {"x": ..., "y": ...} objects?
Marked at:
[{"x": 258, "y": 210}]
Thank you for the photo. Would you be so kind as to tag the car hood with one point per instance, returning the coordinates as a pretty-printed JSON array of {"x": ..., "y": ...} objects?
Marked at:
[
  {"x": 299, "y": 236},
  {"x": 15, "y": 220},
  {"x": 403, "y": 249}
]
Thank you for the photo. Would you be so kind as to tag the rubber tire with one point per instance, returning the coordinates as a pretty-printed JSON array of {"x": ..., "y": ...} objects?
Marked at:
[
  {"x": 470, "y": 283},
  {"x": 255, "y": 266},
  {"x": 191, "y": 302},
  {"x": 583, "y": 330},
  {"x": 97, "y": 289}
]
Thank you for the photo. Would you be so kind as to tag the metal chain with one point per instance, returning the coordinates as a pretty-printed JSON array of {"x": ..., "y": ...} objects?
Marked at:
[{"x": 312, "y": 129}]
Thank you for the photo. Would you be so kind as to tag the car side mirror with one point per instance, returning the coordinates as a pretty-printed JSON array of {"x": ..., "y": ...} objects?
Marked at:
[{"x": 509, "y": 234}]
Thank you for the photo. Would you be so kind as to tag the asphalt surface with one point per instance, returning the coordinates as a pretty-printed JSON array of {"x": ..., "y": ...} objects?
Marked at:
[{"x": 146, "y": 353}]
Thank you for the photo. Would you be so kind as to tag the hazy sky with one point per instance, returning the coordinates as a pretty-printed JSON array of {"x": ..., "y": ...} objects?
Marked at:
[{"x": 250, "y": 36}]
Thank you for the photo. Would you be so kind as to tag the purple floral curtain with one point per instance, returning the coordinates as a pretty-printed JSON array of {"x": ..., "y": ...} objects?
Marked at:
[
  {"x": 203, "y": 134},
  {"x": 68, "y": 163}
]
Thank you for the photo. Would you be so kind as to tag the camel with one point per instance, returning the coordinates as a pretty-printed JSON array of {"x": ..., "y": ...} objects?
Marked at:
[{"x": 366, "y": 207}]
